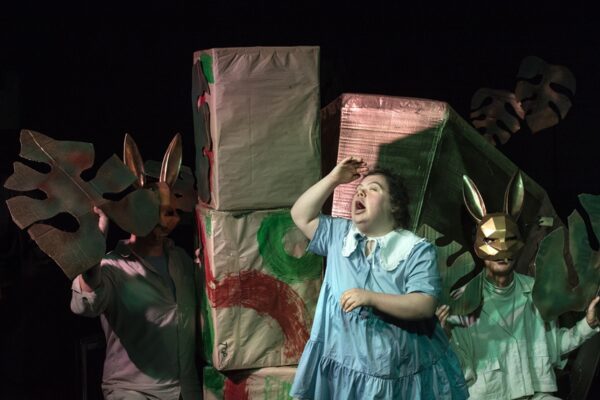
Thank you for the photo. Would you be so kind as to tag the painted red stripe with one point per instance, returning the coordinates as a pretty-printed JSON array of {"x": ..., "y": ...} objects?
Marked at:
[
  {"x": 236, "y": 390},
  {"x": 268, "y": 296}
]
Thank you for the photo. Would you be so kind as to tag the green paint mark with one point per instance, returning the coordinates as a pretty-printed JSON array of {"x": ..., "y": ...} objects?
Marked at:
[
  {"x": 276, "y": 389},
  {"x": 208, "y": 332},
  {"x": 271, "y": 236},
  {"x": 214, "y": 381},
  {"x": 208, "y": 225},
  {"x": 284, "y": 392},
  {"x": 207, "y": 61}
]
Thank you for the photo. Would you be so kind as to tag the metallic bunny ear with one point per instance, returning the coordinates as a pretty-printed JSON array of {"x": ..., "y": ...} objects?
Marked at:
[
  {"x": 514, "y": 196},
  {"x": 171, "y": 164},
  {"x": 473, "y": 199},
  {"x": 133, "y": 160}
]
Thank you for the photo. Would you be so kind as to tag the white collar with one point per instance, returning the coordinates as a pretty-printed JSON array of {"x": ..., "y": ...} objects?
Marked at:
[{"x": 395, "y": 246}]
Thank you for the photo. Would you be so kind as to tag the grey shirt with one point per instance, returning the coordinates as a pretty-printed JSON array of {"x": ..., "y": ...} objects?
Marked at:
[{"x": 150, "y": 329}]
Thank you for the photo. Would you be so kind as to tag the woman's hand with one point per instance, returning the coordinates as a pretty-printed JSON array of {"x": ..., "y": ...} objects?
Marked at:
[
  {"x": 442, "y": 313},
  {"x": 353, "y": 298},
  {"x": 348, "y": 170}
]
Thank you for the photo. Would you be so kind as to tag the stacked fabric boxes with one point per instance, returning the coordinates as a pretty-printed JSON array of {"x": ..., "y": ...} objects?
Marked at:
[
  {"x": 431, "y": 147},
  {"x": 256, "y": 120},
  {"x": 263, "y": 384}
]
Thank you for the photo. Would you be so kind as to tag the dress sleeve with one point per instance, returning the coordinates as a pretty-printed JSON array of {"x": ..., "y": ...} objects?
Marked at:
[
  {"x": 322, "y": 238},
  {"x": 91, "y": 304},
  {"x": 564, "y": 340},
  {"x": 422, "y": 274}
]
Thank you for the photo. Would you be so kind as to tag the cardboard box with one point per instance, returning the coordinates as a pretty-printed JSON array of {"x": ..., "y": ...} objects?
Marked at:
[
  {"x": 258, "y": 384},
  {"x": 256, "y": 124},
  {"x": 261, "y": 288},
  {"x": 431, "y": 147}
]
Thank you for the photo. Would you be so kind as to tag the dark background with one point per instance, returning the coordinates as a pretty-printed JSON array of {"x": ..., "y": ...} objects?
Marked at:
[{"x": 84, "y": 73}]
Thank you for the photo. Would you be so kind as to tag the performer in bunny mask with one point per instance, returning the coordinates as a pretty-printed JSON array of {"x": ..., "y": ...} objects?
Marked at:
[
  {"x": 145, "y": 294},
  {"x": 506, "y": 349}
]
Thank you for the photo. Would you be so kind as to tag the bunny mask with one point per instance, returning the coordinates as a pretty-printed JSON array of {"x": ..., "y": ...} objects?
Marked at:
[
  {"x": 171, "y": 164},
  {"x": 497, "y": 236}
]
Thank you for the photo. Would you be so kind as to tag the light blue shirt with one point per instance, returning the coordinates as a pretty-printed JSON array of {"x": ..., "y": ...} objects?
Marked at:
[{"x": 510, "y": 352}]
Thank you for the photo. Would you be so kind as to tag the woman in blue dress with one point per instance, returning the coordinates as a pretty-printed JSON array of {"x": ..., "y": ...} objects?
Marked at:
[{"x": 374, "y": 335}]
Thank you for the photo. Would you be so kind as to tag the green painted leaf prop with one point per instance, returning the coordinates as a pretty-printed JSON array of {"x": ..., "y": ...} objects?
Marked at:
[
  {"x": 68, "y": 194},
  {"x": 552, "y": 293},
  {"x": 497, "y": 114},
  {"x": 465, "y": 299},
  {"x": 545, "y": 91}
]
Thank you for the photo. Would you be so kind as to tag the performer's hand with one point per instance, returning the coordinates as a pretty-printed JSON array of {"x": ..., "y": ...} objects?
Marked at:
[
  {"x": 590, "y": 316},
  {"x": 348, "y": 170},
  {"x": 442, "y": 313},
  {"x": 102, "y": 221},
  {"x": 90, "y": 279},
  {"x": 353, "y": 298}
]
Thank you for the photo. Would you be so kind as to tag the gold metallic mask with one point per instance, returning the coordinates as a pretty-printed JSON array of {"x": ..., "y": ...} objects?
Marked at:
[
  {"x": 498, "y": 235},
  {"x": 170, "y": 166},
  {"x": 169, "y": 170}
]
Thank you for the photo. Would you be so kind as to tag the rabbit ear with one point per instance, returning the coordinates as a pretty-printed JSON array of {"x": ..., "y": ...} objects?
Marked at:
[
  {"x": 514, "y": 196},
  {"x": 171, "y": 162},
  {"x": 133, "y": 160},
  {"x": 473, "y": 199}
]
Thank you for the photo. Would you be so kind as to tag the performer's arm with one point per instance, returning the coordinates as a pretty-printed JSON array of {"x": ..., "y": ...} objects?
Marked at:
[
  {"x": 409, "y": 306},
  {"x": 422, "y": 286},
  {"x": 305, "y": 211},
  {"x": 89, "y": 296},
  {"x": 568, "y": 340}
]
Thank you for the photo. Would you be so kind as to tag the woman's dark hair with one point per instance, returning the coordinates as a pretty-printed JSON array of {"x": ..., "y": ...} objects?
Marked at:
[{"x": 399, "y": 199}]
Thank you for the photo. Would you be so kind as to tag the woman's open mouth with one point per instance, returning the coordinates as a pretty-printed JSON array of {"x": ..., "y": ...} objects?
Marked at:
[{"x": 359, "y": 207}]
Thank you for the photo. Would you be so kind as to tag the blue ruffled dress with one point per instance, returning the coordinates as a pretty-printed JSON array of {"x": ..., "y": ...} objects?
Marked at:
[{"x": 364, "y": 354}]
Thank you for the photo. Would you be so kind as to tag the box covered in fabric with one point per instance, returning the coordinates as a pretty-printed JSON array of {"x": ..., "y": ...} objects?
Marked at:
[
  {"x": 256, "y": 125},
  {"x": 256, "y": 384},
  {"x": 431, "y": 147},
  {"x": 261, "y": 288}
]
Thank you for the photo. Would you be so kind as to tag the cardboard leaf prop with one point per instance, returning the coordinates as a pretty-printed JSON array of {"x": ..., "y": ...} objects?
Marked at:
[
  {"x": 66, "y": 192},
  {"x": 545, "y": 92},
  {"x": 552, "y": 293},
  {"x": 496, "y": 114},
  {"x": 462, "y": 300}
]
